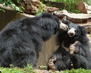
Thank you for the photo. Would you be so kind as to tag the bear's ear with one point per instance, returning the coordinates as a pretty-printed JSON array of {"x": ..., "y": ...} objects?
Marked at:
[
  {"x": 83, "y": 30},
  {"x": 65, "y": 21}
]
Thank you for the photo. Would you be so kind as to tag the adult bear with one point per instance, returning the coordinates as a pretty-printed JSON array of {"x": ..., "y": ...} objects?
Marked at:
[
  {"x": 21, "y": 40},
  {"x": 73, "y": 51}
]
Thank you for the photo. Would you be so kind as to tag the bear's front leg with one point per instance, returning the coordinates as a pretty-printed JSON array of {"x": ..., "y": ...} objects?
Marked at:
[
  {"x": 63, "y": 26},
  {"x": 51, "y": 63},
  {"x": 73, "y": 48}
]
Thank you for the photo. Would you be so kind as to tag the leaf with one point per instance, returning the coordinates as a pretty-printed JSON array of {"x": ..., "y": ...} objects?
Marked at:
[
  {"x": 17, "y": 1},
  {"x": 1, "y": 9}
]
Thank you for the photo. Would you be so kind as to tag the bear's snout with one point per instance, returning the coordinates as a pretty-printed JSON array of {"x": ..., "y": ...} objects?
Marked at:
[{"x": 71, "y": 32}]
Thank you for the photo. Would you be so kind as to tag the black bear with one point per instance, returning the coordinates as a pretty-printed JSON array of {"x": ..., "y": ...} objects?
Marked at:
[
  {"x": 21, "y": 40},
  {"x": 73, "y": 51}
]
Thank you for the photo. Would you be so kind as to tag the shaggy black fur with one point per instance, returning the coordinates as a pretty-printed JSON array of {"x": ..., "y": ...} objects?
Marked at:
[
  {"x": 21, "y": 40},
  {"x": 81, "y": 57}
]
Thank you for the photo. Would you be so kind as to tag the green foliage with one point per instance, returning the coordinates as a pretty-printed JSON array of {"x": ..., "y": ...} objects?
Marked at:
[
  {"x": 10, "y": 70},
  {"x": 27, "y": 69},
  {"x": 10, "y": 3},
  {"x": 71, "y": 5},
  {"x": 40, "y": 9},
  {"x": 75, "y": 71},
  {"x": 88, "y": 1},
  {"x": 1, "y": 9}
]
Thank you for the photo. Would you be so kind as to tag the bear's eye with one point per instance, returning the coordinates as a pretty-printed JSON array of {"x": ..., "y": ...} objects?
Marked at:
[
  {"x": 75, "y": 30},
  {"x": 69, "y": 27}
]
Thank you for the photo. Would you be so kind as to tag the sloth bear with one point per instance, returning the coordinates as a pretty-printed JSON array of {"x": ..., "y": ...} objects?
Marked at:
[
  {"x": 73, "y": 51},
  {"x": 21, "y": 40}
]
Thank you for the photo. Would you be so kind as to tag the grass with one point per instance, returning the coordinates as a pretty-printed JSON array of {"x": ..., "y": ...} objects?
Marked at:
[
  {"x": 29, "y": 69},
  {"x": 10, "y": 70},
  {"x": 77, "y": 71}
]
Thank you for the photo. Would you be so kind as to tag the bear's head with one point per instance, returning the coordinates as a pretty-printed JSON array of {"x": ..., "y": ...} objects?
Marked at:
[
  {"x": 73, "y": 33},
  {"x": 74, "y": 30}
]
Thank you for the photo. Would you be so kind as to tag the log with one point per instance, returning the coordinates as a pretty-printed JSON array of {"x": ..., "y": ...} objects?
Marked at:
[
  {"x": 87, "y": 25},
  {"x": 77, "y": 18},
  {"x": 84, "y": 8}
]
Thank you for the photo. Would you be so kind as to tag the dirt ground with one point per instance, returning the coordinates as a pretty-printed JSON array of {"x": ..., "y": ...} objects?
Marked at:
[
  {"x": 89, "y": 36},
  {"x": 45, "y": 71}
]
